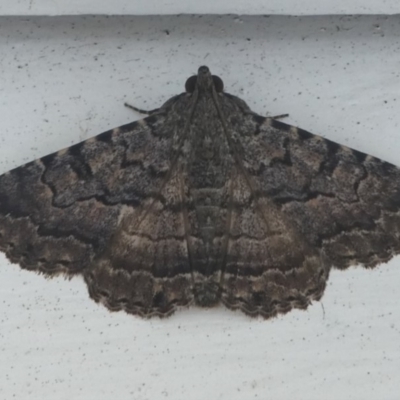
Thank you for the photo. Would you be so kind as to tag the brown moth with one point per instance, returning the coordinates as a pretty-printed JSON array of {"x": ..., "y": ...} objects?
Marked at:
[{"x": 202, "y": 202}]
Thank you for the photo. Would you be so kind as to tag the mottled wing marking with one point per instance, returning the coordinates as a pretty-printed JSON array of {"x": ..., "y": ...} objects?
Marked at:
[
  {"x": 336, "y": 207},
  {"x": 146, "y": 268},
  {"x": 111, "y": 208},
  {"x": 341, "y": 200},
  {"x": 49, "y": 207},
  {"x": 270, "y": 268}
]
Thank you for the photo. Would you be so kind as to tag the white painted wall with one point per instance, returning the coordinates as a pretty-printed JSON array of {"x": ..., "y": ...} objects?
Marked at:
[
  {"x": 168, "y": 7},
  {"x": 65, "y": 79}
]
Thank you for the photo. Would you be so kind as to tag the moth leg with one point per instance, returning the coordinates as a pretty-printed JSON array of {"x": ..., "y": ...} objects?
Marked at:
[
  {"x": 281, "y": 116},
  {"x": 148, "y": 112}
]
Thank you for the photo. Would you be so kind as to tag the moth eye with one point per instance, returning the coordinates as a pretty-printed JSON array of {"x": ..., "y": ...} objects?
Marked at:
[
  {"x": 219, "y": 85},
  {"x": 190, "y": 84}
]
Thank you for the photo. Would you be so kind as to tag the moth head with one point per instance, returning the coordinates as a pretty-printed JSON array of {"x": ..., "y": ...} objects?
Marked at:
[{"x": 204, "y": 81}]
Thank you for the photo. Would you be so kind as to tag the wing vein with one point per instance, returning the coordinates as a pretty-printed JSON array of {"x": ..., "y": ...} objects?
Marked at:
[{"x": 174, "y": 162}]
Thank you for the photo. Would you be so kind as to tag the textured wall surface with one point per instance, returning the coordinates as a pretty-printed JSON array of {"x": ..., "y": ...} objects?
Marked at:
[
  {"x": 65, "y": 79},
  {"x": 168, "y": 7}
]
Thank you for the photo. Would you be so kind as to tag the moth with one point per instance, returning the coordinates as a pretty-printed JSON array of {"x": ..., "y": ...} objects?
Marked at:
[{"x": 202, "y": 202}]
